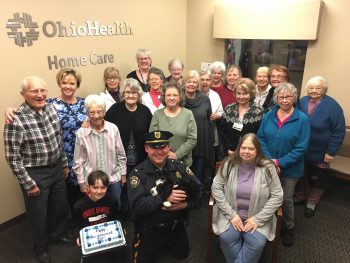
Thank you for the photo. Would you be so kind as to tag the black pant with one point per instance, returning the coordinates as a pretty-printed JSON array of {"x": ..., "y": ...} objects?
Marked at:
[
  {"x": 48, "y": 212},
  {"x": 120, "y": 255},
  {"x": 151, "y": 241}
]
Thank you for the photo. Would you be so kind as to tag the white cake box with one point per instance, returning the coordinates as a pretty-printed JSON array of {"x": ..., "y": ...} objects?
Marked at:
[{"x": 102, "y": 237}]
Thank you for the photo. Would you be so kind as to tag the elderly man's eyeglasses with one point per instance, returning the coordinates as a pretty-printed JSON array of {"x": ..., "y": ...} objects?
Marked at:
[{"x": 37, "y": 91}]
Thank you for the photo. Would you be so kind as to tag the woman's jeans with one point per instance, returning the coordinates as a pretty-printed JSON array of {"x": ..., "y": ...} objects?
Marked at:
[{"x": 242, "y": 247}]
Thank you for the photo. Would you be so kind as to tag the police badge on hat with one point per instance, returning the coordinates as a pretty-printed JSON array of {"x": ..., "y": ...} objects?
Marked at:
[{"x": 157, "y": 138}]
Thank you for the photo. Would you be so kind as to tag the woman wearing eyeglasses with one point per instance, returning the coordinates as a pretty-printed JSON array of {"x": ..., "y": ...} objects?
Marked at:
[
  {"x": 99, "y": 147},
  {"x": 111, "y": 78},
  {"x": 284, "y": 136},
  {"x": 155, "y": 81},
  {"x": 144, "y": 62},
  {"x": 327, "y": 133},
  {"x": 278, "y": 74}
]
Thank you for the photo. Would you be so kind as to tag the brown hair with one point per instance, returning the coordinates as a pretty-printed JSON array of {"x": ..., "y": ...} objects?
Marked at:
[
  {"x": 246, "y": 85},
  {"x": 174, "y": 85},
  {"x": 280, "y": 68},
  {"x": 260, "y": 161},
  {"x": 98, "y": 175}
]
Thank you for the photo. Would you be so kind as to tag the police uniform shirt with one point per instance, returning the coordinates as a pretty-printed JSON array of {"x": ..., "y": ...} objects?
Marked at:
[{"x": 148, "y": 208}]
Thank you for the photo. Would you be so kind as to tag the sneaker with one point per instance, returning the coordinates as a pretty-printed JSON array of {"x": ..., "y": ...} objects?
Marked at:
[
  {"x": 43, "y": 257},
  {"x": 309, "y": 212},
  {"x": 288, "y": 237}
]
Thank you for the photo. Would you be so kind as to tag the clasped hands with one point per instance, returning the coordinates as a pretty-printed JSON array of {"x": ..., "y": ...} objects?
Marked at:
[{"x": 248, "y": 225}]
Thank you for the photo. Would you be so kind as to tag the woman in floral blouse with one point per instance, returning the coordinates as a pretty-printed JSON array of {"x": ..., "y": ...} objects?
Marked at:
[
  {"x": 242, "y": 116},
  {"x": 72, "y": 113}
]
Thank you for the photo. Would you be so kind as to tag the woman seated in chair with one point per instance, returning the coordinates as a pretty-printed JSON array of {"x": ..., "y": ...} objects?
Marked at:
[{"x": 247, "y": 192}]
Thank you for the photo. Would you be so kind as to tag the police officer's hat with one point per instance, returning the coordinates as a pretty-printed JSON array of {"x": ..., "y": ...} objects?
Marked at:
[{"x": 157, "y": 138}]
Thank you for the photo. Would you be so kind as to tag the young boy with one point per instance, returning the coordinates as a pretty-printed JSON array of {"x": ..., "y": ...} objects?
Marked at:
[{"x": 95, "y": 208}]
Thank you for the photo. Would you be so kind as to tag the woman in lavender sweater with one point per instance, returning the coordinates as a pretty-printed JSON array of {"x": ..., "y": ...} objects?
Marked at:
[{"x": 247, "y": 192}]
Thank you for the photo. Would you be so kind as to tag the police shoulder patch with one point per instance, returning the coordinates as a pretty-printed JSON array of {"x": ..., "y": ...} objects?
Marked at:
[
  {"x": 134, "y": 181},
  {"x": 188, "y": 170}
]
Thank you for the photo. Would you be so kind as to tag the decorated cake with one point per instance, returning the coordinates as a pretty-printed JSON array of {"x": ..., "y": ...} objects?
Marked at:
[{"x": 101, "y": 237}]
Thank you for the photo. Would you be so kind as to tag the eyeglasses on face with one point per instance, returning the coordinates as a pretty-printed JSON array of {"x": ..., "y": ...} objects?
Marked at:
[
  {"x": 154, "y": 79},
  {"x": 142, "y": 59},
  {"x": 112, "y": 79},
  {"x": 98, "y": 112},
  {"x": 288, "y": 97},
  {"x": 37, "y": 91},
  {"x": 279, "y": 76},
  {"x": 131, "y": 93}
]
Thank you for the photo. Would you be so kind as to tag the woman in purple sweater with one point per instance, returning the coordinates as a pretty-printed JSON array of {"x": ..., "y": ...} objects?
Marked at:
[{"x": 247, "y": 192}]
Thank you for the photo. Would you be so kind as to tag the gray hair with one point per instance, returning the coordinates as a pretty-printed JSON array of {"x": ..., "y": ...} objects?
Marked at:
[
  {"x": 156, "y": 71},
  {"x": 175, "y": 61},
  {"x": 285, "y": 87},
  {"x": 133, "y": 85},
  {"x": 145, "y": 51},
  {"x": 24, "y": 84},
  {"x": 95, "y": 100},
  {"x": 323, "y": 81},
  {"x": 218, "y": 65},
  {"x": 205, "y": 72}
]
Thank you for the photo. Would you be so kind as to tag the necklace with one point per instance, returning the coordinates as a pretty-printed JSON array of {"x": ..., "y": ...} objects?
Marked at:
[{"x": 142, "y": 79}]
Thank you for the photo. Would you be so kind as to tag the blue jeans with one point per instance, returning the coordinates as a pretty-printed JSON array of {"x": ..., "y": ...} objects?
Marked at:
[
  {"x": 114, "y": 190},
  {"x": 288, "y": 185},
  {"x": 239, "y": 247}
]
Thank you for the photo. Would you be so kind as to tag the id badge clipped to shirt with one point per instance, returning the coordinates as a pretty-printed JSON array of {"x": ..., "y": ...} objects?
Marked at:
[{"x": 237, "y": 126}]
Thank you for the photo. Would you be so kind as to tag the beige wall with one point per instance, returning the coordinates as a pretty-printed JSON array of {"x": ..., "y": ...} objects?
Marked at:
[
  {"x": 159, "y": 25},
  {"x": 171, "y": 29},
  {"x": 201, "y": 47},
  {"x": 329, "y": 56}
]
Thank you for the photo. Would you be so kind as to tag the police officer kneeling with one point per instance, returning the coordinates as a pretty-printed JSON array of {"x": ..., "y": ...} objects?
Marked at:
[{"x": 159, "y": 228}]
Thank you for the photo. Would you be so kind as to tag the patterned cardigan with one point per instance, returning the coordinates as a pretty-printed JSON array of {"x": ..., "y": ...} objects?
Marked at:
[{"x": 251, "y": 122}]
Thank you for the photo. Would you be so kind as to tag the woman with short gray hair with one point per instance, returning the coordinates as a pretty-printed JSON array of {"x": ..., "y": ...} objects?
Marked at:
[
  {"x": 327, "y": 133},
  {"x": 155, "y": 80},
  {"x": 175, "y": 67},
  {"x": 284, "y": 136},
  {"x": 133, "y": 120},
  {"x": 217, "y": 70},
  {"x": 99, "y": 147}
]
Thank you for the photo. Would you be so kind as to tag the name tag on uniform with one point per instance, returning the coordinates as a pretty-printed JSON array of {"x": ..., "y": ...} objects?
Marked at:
[{"x": 237, "y": 126}]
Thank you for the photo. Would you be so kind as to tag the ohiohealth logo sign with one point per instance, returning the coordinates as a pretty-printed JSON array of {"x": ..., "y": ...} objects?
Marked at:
[{"x": 24, "y": 31}]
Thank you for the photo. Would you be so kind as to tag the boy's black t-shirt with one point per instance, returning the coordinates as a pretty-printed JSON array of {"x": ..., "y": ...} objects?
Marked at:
[{"x": 87, "y": 212}]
